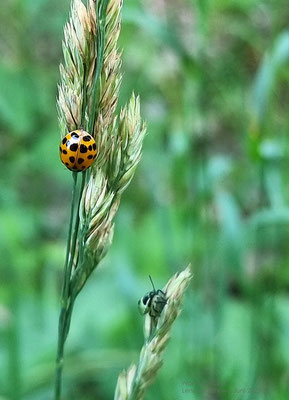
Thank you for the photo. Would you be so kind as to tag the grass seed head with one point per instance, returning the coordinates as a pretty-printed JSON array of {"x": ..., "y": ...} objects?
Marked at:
[{"x": 157, "y": 334}]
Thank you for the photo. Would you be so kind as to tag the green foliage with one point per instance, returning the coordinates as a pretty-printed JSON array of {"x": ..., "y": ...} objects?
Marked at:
[{"x": 211, "y": 188}]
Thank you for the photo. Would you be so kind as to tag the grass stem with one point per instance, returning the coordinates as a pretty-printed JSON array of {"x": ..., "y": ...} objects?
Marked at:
[
  {"x": 100, "y": 43},
  {"x": 67, "y": 299}
]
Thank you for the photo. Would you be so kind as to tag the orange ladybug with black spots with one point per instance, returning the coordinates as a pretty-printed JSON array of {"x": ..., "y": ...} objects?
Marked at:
[{"x": 77, "y": 150}]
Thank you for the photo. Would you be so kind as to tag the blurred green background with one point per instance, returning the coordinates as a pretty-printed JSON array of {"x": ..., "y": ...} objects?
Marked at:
[{"x": 211, "y": 189}]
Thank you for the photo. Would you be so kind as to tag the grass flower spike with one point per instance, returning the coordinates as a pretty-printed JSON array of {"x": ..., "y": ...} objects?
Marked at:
[
  {"x": 90, "y": 127},
  {"x": 79, "y": 53},
  {"x": 132, "y": 384}
]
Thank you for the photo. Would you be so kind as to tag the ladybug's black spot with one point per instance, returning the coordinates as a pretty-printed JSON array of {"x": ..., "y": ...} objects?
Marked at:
[
  {"x": 66, "y": 164},
  {"x": 90, "y": 147},
  {"x": 86, "y": 138},
  {"x": 90, "y": 156},
  {"x": 60, "y": 149},
  {"x": 73, "y": 147},
  {"x": 83, "y": 167},
  {"x": 75, "y": 135},
  {"x": 94, "y": 156},
  {"x": 71, "y": 159},
  {"x": 64, "y": 140},
  {"x": 94, "y": 146},
  {"x": 80, "y": 160},
  {"x": 83, "y": 148},
  {"x": 64, "y": 151}
]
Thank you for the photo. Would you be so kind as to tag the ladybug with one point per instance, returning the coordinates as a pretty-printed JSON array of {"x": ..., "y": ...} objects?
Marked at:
[{"x": 77, "y": 150}]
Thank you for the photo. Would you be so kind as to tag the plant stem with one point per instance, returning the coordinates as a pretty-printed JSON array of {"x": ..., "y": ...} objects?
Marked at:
[
  {"x": 65, "y": 293},
  {"x": 67, "y": 300},
  {"x": 68, "y": 294},
  {"x": 67, "y": 258},
  {"x": 100, "y": 43},
  {"x": 75, "y": 231},
  {"x": 84, "y": 100},
  {"x": 71, "y": 295},
  {"x": 59, "y": 359}
]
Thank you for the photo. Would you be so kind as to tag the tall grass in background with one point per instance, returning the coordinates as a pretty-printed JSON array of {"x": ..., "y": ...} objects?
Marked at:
[{"x": 213, "y": 78}]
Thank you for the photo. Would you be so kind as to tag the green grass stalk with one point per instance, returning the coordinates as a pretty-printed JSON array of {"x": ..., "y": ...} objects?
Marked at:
[
  {"x": 88, "y": 94},
  {"x": 65, "y": 294}
]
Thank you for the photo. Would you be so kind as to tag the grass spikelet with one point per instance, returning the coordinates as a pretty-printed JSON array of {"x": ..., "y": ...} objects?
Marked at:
[
  {"x": 101, "y": 196},
  {"x": 110, "y": 77},
  {"x": 133, "y": 383},
  {"x": 76, "y": 74}
]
